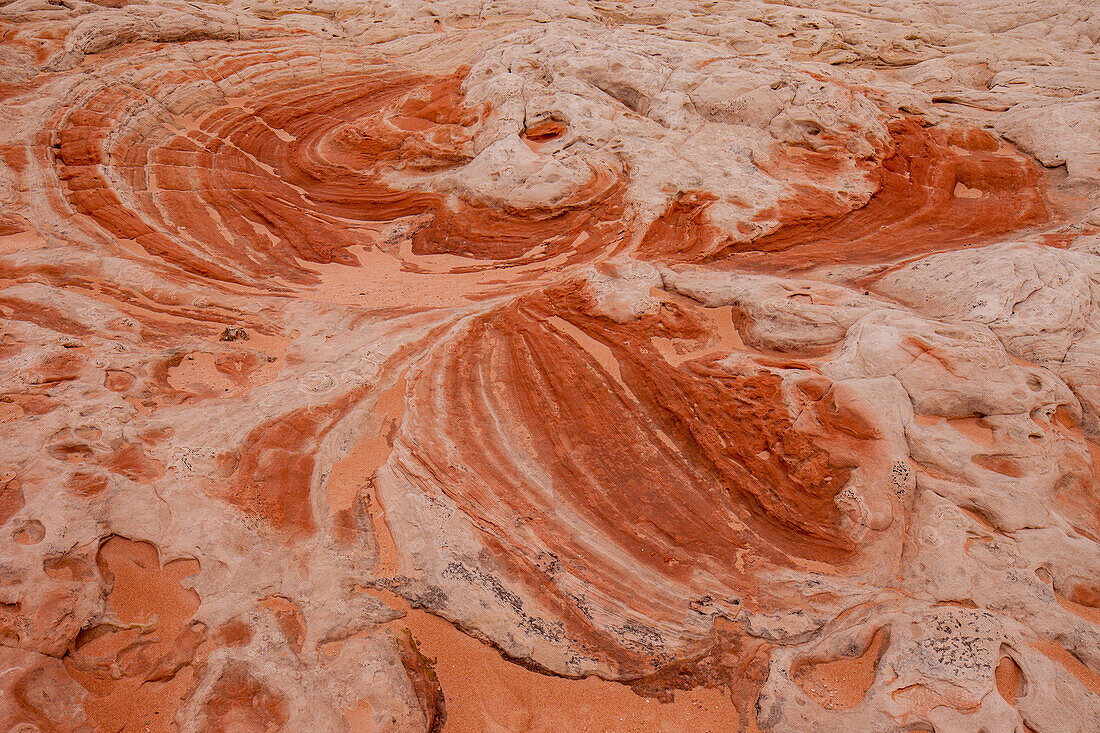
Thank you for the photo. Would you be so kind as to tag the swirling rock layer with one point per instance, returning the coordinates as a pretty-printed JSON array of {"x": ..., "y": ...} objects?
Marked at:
[{"x": 433, "y": 367}]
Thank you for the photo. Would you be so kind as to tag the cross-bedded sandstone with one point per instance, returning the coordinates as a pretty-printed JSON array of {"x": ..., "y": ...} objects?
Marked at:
[{"x": 664, "y": 366}]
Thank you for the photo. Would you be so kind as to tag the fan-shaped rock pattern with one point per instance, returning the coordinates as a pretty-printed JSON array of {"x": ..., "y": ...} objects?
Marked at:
[
  {"x": 711, "y": 471},
  {"x": 431, "y": 367}
]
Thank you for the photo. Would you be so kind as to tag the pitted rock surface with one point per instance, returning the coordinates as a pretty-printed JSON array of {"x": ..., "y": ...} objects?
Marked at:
[{"x": 558, "y": 366}]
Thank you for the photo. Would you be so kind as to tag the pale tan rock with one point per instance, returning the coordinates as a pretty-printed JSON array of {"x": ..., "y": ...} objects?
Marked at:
[{"x": 743, "y": 356}]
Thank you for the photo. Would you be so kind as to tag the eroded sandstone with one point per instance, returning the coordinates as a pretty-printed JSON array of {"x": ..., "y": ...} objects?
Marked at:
[{"x": 430, "y": 366}]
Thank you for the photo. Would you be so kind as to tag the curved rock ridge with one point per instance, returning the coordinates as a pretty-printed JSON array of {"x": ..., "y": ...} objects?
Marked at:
[
  {"x": 719, "y": 464},
  {"x": 937, "y": 189},
  {"x": 246, "y": 180},
  {"x": 430, "y": 366}
]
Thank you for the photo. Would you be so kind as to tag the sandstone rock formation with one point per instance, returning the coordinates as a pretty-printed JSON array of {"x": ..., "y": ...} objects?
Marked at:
[{"x": 433, "y": 365}]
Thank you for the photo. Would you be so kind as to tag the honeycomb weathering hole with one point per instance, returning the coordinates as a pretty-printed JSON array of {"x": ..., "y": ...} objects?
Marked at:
[
  {"x": 1011, "y": 683},
  {"x": 842, "y": 682},
  {"x": 544, "y": 131}
]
